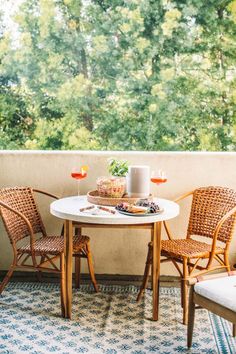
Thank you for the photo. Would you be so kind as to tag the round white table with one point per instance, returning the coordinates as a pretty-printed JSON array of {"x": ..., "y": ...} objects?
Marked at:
[{"x": 68, "y": 209}]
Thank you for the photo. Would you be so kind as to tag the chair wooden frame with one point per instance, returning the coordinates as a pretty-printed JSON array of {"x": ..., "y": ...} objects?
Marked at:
[
  {"x": 197, "y": 301},
  {"x": 20, "y": 258},
  {"x": 191, "y": 265}
]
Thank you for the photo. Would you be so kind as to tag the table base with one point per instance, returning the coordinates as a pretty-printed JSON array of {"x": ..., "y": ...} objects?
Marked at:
[{"x": 66, "y": 287}]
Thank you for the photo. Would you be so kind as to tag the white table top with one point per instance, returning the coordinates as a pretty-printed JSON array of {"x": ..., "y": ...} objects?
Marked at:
[{"x": 68, "y": 209}]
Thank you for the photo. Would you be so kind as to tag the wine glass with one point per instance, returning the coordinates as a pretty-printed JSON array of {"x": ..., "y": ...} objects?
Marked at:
[
  {"x": 158, "y": 177},
  {"x": 78, "y": 174}
]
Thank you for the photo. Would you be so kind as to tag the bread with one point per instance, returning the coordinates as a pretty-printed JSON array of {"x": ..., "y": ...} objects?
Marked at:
[{"x": 137, "y": 209}]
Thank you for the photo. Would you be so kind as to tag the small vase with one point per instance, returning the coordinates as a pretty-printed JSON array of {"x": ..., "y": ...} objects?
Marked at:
[{"x": 138, "y": 181}]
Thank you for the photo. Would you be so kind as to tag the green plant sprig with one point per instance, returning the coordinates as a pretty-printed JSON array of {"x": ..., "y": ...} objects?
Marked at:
[{"x": 118, "y": 168}]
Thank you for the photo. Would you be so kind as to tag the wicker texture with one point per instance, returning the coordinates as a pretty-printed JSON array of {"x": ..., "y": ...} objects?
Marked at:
[
  {"x": 22, "y": 200},
  {"x": 209, "y": 205},
  {"x": 212, "y": 215},
  {"x": 22, "y": 219},
  {"x": 54, "y": 244},
  {"x": 189, "y": 248}
]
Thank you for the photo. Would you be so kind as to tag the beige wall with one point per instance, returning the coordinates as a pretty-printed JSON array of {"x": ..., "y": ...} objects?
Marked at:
[{"x": 119, "y": 251}]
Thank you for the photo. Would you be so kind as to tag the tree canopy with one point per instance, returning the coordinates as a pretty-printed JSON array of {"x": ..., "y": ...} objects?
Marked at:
[{"x": 118, "y": 75}]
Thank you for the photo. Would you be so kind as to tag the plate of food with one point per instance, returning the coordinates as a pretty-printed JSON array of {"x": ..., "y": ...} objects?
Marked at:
[{"x": 142, "y": 207}]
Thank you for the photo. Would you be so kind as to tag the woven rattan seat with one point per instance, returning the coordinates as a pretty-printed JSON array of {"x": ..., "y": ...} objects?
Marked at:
[
  {"x": 212, "y": 216},
  {"x": 24, "y": 224},
  {"x": 189, "y": 248},
  {"x": 54, "y": 245}
]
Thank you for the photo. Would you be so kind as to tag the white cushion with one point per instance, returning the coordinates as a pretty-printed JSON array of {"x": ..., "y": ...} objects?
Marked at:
[{"x": 220, "y": 290}]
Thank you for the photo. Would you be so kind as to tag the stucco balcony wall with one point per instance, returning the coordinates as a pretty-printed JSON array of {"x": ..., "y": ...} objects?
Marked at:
[{"x": 115, "y": 251}]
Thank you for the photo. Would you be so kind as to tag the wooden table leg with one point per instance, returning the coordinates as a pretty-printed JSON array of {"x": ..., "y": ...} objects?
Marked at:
[
  {"x": 63, "y": 287},
  {"x": 156, "y": 236},
  {"x": 68, "y": 248},
  {"x": 77, "y": 232}
]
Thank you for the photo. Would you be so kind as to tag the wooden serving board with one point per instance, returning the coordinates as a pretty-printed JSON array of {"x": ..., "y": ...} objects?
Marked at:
[{"x": 94, "y": 198}]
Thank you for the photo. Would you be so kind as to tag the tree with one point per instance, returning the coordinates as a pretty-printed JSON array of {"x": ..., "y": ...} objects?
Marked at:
[
  {"x": 136, "y": 75},
  {"x": 16, "y": 124}
]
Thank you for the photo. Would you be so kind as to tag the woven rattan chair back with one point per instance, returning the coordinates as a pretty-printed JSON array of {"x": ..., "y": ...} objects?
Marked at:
[
  {"x": 21, "y": 219},
  {"x": 22, "y": 200},
  {"x": 209, "y": 205}
]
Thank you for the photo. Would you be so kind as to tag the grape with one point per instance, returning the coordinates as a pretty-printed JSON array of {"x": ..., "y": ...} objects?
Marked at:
[
  {"x": 142, "y": 202},
  {"x": 122, "y": 206},
  {"x": 152, "y": 207}
]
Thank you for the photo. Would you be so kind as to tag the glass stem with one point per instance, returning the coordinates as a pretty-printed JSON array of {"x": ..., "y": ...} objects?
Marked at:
[{"x": 78, "y": 187}]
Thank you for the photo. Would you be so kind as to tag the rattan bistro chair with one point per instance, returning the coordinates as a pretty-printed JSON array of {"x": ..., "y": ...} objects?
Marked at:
[
  {"x": 29, "y": 239},
  {"x": 212, "y": 217}
]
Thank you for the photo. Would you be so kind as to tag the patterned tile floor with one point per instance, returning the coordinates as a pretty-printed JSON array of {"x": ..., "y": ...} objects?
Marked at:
[{"x": 110, "y": 322}]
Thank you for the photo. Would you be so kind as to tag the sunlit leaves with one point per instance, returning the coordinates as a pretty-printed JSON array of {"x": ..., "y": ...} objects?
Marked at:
[
  {"x": 167, "y": 74},
  {"x": 47, "y": 14},
  {"x": 142, "y": 75},
  {"x": 4, "y": 46},
  {"x": 232, "y": 9},
  {"x": 152, "y": 107},
  {"x": 61, "y": 134},
  {"x": 100, "y": 45},
  {"x": 74, "y": 88},
  {"x": 158, "y": 90},
  {"x": 141, "y": 44},
  {"x": 26, "y": 40},
  {"x": 171, "y": 21}
]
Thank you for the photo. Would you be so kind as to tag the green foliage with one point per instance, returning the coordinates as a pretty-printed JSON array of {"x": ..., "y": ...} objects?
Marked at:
[
  {"x": 117, "y": 167},
  {"x": 115, "y": 75},
  {"x": 15, "y": 122}
]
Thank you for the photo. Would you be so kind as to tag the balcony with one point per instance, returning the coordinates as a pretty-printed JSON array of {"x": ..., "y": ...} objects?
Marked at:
[
  {"x": 119, "y": 255},
  {"x": 125, "y": 252}
]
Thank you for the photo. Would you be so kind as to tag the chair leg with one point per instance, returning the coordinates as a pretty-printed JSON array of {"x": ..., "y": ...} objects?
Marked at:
[
  {"x": 234, "y": 329},
  {"x": 77, "y": 271},
  {"x": 226, "y": 259},
  {"x": 146, "y": 273},
  {"x": 90, "y": 266},
  {"x": 151, "y": 277},
  {"x": 39, "y": 273},
  {"x": 63, "y": 289},
  {"x": 182, "y": 292},
  {"x": 7, "y": 278},
  {"x": 182, "y": 285},
  {"x": 185, "y": 292},
  {"x": 191, "y": 314}
]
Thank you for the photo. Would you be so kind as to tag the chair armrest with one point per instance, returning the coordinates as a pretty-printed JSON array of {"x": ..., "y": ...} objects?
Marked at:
[
  {"x": 193, "y": 281},
  {"x": 217, "y": 229},
  {"x": 222, "y": 220},
  {"x": 45, "y": 193},
  {"x": 183, "y": 196}
]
